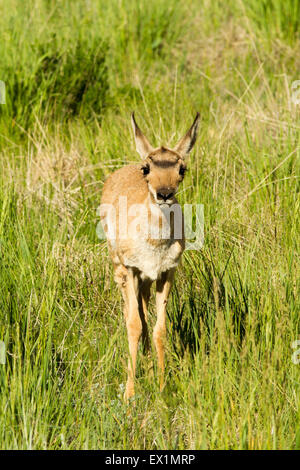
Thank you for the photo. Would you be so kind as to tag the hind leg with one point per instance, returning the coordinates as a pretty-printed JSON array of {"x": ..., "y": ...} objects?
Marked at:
[
  {"x": 144, "y": 296},
  {"x": 163, "y": 287}
]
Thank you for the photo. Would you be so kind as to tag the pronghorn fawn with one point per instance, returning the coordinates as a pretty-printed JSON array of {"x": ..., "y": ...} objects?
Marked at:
[{"x": 134, "y": 212}]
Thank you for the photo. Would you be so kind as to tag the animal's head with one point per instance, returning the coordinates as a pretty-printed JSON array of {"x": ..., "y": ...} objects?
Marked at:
[{"x": 164, "y": 168}]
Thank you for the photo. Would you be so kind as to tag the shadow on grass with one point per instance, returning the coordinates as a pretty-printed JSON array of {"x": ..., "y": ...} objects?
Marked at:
[{"x": 207, "y": 293}]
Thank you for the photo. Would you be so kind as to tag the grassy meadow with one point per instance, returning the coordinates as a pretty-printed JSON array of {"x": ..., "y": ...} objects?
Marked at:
[{"x": 73, "y": 73}]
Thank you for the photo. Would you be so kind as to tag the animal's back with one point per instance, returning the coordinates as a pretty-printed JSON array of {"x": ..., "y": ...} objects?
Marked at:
[{"x": 128, "y": 181}]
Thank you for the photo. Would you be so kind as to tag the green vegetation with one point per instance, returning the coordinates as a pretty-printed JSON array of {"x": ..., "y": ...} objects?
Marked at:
[{"x": 74, "y": 71}]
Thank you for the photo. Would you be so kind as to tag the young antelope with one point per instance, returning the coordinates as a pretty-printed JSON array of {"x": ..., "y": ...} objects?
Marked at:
[{"x": 140, "y": 217}]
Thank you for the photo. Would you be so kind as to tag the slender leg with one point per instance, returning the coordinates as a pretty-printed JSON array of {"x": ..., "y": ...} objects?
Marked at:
[
  {"x": 128, "y": 283},
  {"x": 163, "y": 287},
  {"x": 144, "y": 296}
]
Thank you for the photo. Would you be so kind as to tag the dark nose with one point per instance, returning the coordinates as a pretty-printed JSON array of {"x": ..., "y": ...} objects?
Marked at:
[{"x": 165, "y": 193}]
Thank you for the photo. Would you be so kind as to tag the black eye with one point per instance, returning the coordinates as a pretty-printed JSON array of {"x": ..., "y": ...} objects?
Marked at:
[
  {"x": 145, "y": 170},
  {"x": 182, "y": 170}
]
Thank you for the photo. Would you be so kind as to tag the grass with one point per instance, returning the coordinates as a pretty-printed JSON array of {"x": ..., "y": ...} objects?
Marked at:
[{"x": 73, "y": 73}]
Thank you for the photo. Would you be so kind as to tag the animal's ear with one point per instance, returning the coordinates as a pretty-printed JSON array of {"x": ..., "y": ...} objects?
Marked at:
[
  {"x": 142, "y": 145},
  {"x": 187, "y": 142}
]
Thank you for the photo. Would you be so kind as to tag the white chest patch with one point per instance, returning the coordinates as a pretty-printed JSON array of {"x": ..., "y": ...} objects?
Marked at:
[
  {"x": 150, "y": 259},
  {"x": 153, "y": 260}
]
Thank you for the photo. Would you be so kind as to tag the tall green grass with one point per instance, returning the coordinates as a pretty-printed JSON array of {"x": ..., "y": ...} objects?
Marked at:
[{"x": 74, "y": 71}]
